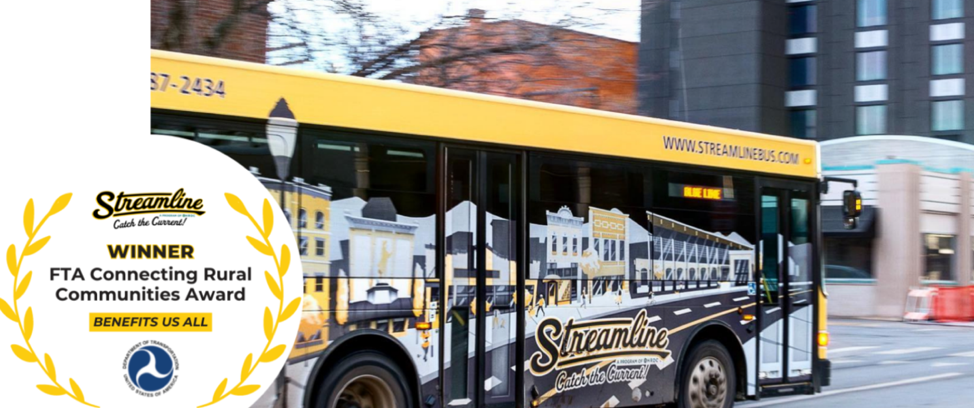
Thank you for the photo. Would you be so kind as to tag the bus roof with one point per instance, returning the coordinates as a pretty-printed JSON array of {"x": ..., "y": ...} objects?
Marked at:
[{"x": 252, "y": 90}]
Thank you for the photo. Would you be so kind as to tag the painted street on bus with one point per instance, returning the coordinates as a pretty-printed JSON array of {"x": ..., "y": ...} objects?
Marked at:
[{"x": 893, "y": 364}]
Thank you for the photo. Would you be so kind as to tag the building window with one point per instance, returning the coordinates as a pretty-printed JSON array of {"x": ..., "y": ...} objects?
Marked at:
[
  {"x": 803, "y": 124},
  {"x": 871, "y": 120},
  {"x": 287, "y": 215},
  {"x": 320, "y": 220},
  {"x": 554, "y": 244},
  {"x": 871, "y": 66},
  {"x": 871, "y": 13},
  {"x": 801, "y": 72},
  {"x": 319, "y": 247},
  {"x": 574, "y": 245},
  {"x": 948, "y": 59},
  {"x": 304, "y": 246},
  {"x": 319, "y": 284},
  {"x": 947, "y": 115},
  {"x": 938, "y": 257},
  {"x": 943, "y": 9},
  {"x": 302, "y": 218},
  {"x": 848, "y": 258},
  {"x": 802, "y": 20}
]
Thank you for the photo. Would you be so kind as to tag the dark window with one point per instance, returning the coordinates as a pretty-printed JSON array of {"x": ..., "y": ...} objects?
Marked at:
[
  {"x": 803, "y": 124},
  {"x": 802, "y": 19},
  {"x": 581, "y": 184},
  {"x": 395, "y": 171},
  {"x": 938, "y": 257},
  {"x": 243, "y": 141},
  {"x": 302, "y": 218},
  {"x": 801, "y": 72},
  {"x": 319, "y": 220},
  {"x": 848, "y": 258},
  {"x": 319, "y": 284},
  {"x": 399, "y": 325},
  {"x": 303, "y": 242},
  {"x": 319, "y": 247}
]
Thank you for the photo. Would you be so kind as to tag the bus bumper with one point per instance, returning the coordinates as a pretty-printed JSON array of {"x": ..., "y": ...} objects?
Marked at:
[{"x": 823, "y": 371}]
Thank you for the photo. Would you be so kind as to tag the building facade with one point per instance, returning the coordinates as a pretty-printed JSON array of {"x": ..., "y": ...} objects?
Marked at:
[
  {"x": 527, "y": 60},
  {"x": 216, "y": 28},
  {"x": 815, "y": 69},
  {"x": 917, "y": 228}
]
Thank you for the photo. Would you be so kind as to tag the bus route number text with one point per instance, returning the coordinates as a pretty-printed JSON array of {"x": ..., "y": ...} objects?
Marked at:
[{"x": 161, "y": 82}]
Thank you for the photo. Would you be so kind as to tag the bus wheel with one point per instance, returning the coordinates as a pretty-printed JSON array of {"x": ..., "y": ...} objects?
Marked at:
[
  {"x": 365, "y": 380},
  {"x": 708, "y": 377}
]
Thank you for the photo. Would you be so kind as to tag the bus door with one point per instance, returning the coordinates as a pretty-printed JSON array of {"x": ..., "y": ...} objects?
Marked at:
[
  {"x": 483, "y": 216},
  {"x": 785, "y": 286}
]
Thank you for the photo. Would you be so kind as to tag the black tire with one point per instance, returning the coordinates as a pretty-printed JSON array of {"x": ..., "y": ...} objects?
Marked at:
[
  {"x": 707, "y": 358},
  {"x": 376, "y": 369}
]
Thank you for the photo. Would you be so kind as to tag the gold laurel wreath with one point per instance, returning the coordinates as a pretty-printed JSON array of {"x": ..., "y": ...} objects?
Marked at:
[
  {"x": 27, "y": 323},
  {"x": 277, "y": 288}
]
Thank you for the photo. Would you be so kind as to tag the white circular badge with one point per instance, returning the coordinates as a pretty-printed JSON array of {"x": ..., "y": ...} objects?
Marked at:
[{"x": 147, "y": 271}]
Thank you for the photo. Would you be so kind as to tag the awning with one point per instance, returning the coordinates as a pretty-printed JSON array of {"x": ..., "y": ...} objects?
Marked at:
[{"x": 833, "y": 227}]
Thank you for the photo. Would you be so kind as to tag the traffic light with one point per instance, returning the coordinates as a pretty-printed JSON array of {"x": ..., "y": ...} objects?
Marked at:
[{"x": 851, "y": 208}]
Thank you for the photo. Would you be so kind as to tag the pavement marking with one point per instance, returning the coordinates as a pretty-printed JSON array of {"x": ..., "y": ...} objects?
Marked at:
[
  {"x": 926, "y": 330},
  {"x": 845, "y": 361},
  {"x": 742, "y": 298},
  {"x": 779, "y": 401},
  {"x": 853, "y": 324},
  {"x": 681, "y": 312},
  {"x": 710, "y": 305},
  {"x": 892, "y": 362},
  {"x": 949, "y": 364},
  {"x": 847, "y": 349},
  {"x": 770, "y": 311},
  {"x": 897, "y": 352},
  {"x": 653, "y": 319},
  {"x": 967, "y": 354}
]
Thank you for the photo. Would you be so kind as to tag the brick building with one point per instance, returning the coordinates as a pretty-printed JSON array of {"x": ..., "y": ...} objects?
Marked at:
[
  {"x": 234, "y": 29},
  {"x": 526, "y": 60}
]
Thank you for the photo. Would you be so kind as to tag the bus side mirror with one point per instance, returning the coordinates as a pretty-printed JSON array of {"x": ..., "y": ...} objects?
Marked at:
[{"x": 851, "y": 208}]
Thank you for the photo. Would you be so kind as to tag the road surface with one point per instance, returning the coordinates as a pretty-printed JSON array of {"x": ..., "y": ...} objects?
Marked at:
[{"x": 892, "y": 365}]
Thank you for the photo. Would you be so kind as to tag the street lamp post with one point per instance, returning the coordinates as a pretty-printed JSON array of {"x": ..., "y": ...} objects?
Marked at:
[{"x": 282, "y": 135}]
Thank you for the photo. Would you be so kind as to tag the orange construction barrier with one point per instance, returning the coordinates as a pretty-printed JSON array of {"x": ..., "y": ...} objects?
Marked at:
[
  {"x": 940, "y": 303},
  {"x": 952, "y": 304}
]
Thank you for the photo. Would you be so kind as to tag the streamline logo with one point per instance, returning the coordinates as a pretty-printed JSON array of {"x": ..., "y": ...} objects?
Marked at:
[
  {"x": 150, "y": 368},
  {"x": 123, "y": 204}
]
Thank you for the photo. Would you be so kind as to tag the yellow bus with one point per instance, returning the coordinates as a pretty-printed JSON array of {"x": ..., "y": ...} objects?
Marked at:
[{"x": 463, "y": 250}]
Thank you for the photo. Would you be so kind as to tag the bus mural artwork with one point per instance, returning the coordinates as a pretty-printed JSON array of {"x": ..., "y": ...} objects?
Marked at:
[{"x": 482, "y": 262}]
